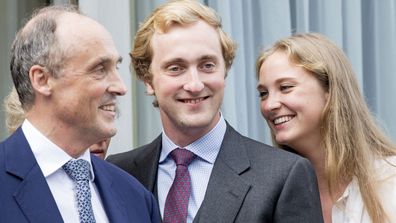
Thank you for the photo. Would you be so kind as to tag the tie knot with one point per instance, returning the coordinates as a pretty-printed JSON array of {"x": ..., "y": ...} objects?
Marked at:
[
  {"x": 182, "y": 156},
  {"x": 77, "y": 169}
]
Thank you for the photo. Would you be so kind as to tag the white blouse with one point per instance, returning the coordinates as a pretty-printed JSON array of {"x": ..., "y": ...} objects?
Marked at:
[{"x": 350, "y": 209}]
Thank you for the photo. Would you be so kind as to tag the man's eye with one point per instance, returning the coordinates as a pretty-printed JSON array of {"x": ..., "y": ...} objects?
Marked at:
[
  {"x": 100, "y": 69},
  {"x": 208, "y": 66},
  {"x": 174, "y": 68}
]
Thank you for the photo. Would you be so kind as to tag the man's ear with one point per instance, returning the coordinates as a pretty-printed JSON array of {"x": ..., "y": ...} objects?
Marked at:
[
  {"x": 149, "y": 88},
  {"x": 39, "y": 77}
]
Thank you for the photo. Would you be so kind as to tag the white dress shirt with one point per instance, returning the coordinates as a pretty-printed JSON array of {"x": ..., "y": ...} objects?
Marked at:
[
  {"x": 350, "y": 209},
  {"x": 206, "y": 148},
  {"x": 50, "y": 159}
]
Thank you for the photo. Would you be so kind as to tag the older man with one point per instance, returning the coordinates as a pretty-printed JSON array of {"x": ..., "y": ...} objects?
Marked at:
[{"x": 64, "y": 67}]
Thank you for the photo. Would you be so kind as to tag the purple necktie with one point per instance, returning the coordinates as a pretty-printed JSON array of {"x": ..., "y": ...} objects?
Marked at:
[{"x": 176, "y": 204}]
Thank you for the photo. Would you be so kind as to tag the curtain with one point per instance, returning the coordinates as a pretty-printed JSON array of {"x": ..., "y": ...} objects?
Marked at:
[{"x": 364, "y": 29}]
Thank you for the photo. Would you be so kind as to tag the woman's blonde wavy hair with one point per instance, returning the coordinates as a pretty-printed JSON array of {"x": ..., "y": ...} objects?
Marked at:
[
  {"x": 351, "y": 137},
  {"x": 13, "y": 111}
]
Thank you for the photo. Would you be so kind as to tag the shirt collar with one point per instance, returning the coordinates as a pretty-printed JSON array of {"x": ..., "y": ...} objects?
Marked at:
[
  {"x": 207, "y": 147},
  {"x": 351, "y": 190},
  {"x": 49, "y": 156}
]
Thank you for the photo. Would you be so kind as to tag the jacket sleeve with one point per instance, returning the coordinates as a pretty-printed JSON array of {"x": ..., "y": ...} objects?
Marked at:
[{"x": 155, "y": 213}]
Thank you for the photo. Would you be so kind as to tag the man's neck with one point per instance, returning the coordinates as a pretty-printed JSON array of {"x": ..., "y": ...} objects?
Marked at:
[{"x": 63, "y": 137}]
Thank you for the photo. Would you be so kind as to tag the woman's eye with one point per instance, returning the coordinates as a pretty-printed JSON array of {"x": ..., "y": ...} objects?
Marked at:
[
  {"x": 285, "y": 87},
  {"x": 263, "y": 94}
]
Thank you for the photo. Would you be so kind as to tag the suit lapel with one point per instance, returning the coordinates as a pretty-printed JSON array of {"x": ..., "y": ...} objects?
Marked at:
[
  {"x": 146, "y": 165},
  {"x": 226, "y": 189},
  {"x": 33, "y": 194},
  {"x": 112, "y": 202}
]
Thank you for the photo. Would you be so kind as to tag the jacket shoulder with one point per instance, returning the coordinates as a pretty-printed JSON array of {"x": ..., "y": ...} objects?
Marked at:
[
  {"x": 259, "y": 153},
  {"x": 127, "y": 160}
]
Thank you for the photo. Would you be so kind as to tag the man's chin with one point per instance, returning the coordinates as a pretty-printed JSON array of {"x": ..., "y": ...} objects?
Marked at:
[
  {"x": 108, "y": 132},
  {"x": 195, "y": 123}
]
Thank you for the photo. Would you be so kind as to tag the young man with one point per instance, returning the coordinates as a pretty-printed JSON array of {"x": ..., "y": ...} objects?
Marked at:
[
  {"x": 200, "y": 168},
  {"x": 64, "y": 68}
]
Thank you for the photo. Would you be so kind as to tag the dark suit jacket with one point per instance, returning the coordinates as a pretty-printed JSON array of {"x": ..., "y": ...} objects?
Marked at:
[
  {"x": 250, "y": 182},
  {"x": 25, "y": 195}
]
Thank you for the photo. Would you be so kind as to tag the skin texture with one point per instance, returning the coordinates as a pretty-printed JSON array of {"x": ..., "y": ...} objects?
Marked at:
[
  {"x": 81, "y": 101},
  {"x": 188, "y": 80},
  {"x": 292, "y": 101},
  {"x": 15, "y": 117}
]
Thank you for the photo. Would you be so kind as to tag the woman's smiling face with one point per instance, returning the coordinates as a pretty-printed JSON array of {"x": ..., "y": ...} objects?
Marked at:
[{"x": 292, "y": 101}]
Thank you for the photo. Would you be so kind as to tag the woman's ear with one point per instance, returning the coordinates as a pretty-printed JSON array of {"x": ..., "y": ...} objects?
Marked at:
[{"x": 327, "y": 95}]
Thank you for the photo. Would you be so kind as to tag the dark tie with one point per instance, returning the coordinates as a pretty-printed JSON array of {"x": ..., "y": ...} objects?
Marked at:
[
  {"x": 176, "y": 204},
  {"x": 78, "y": 170}
]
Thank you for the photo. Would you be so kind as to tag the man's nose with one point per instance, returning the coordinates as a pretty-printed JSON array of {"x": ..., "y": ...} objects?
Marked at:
[{"x": 194, "y": 82}]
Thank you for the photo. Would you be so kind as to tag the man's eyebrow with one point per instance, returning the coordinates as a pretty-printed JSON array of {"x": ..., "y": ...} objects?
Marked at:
[
  {"x": 175, "y": 60},
  {"x": 181, "y": 60},
  {"x": 104, "y": 60},
  {"x": 208, "y": 57},
  {"x": 172, "y": 61},
  {"x": 109, "y": 59}
]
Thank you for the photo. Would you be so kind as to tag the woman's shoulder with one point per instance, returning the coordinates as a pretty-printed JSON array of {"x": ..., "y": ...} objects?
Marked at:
[
  {"x": 385, "y": 185},
  {"x": 385, "y": 169}
]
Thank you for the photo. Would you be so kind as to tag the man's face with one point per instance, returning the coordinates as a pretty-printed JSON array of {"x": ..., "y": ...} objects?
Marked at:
[
  {"x": 84, "y": 94},
  {"x": 188, "y": 78}
]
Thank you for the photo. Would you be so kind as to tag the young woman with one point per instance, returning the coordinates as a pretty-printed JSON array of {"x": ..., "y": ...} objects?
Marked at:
[{"x": 311, "y": 101}]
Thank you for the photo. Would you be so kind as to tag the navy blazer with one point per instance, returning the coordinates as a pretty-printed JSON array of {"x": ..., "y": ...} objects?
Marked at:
[
  {"x": 26, "y": 197},
  {"x": 250, "y": 182}
]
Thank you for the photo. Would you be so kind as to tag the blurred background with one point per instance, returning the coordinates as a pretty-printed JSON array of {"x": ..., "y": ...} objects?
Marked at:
[{"x": 365, "y": 29}]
